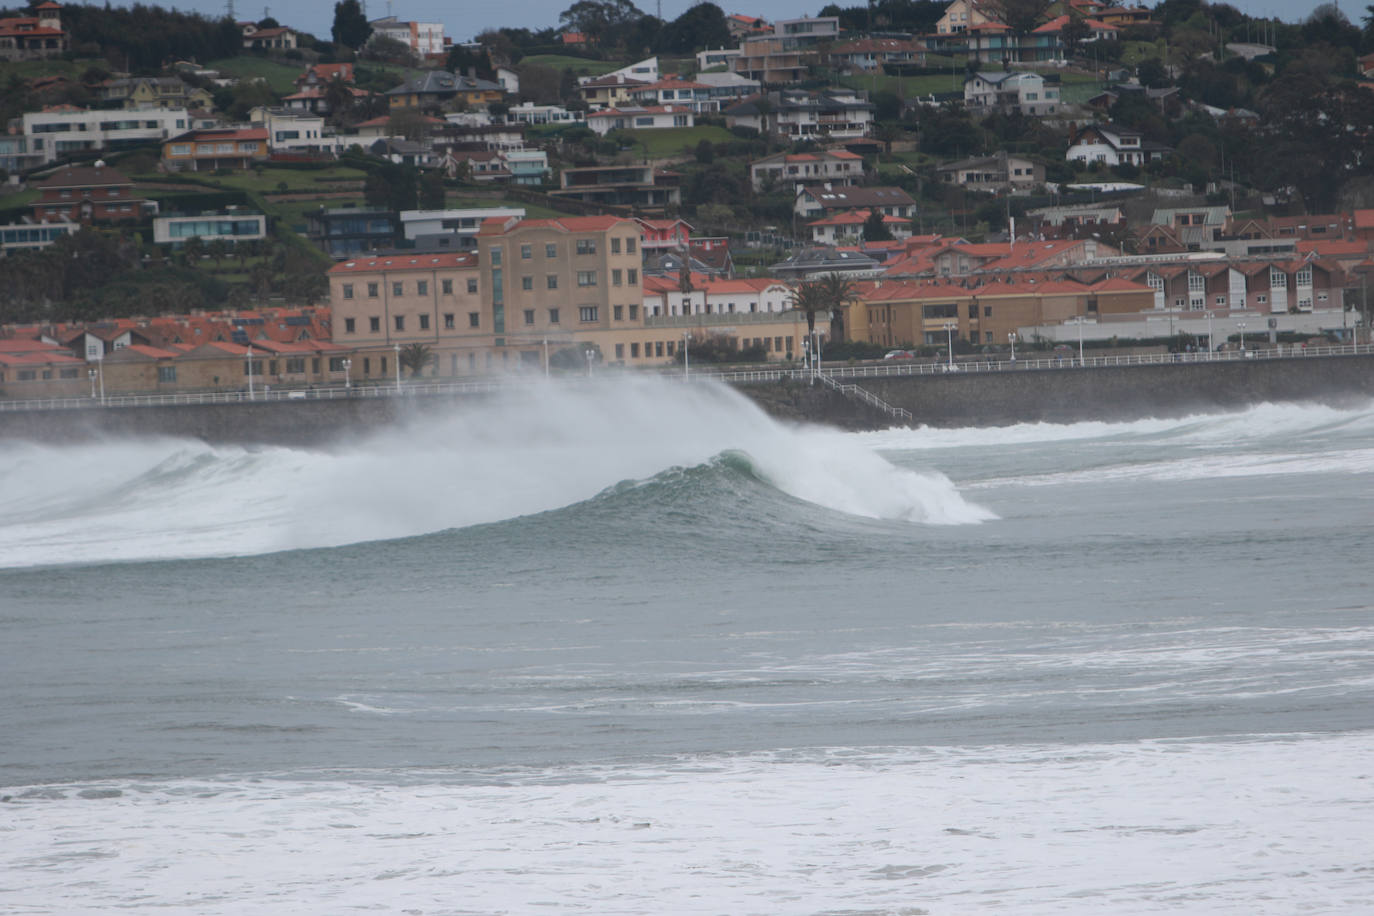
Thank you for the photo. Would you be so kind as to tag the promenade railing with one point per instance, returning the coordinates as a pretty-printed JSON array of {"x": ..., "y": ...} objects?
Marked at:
[{"x": 1058, "y": 361}]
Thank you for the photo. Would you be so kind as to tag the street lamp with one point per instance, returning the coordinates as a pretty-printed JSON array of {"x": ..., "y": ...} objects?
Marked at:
[
  {"x": 588, "y": 353},
  {"x": 1209, "y": 335},
  {"x": 397, "y": 348},
  {"x": 1079, "y": 321},
  {"x": 348, "y": 373},
  {"x": 90, "y": 373},
  {"x": 250, "y": 372},
  {"x": 949, "y": 340},
  {"x": 1011, "y": 339},
  {"x": 686, "y": 355},
  {"x": 1241, "y": 326}
]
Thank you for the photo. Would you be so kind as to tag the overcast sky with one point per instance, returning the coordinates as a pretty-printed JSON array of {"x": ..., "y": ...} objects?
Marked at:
[{"x": 463, "y": 19}]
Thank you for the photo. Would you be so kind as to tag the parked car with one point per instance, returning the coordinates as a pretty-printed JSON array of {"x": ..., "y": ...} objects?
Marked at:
[{"x": 899, "y": 354}]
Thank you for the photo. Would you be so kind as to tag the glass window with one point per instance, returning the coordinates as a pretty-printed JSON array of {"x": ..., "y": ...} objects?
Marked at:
[
  {"x": 586, "y": 278},
  {"x": 372, "y": 290},
  {"x": 424, "y": 322},
  {"x": 552, "y": 281},
  {"x": 448, "y": 320},
  {"x": 586, "y": 246},
  {"x": 472, "y": 284},
  {"x": 374, "y": 324},
  {"x": 553, "y": 316},
  {"x": 527, "y": 282},
  {"x": 348, "y": 325},
  {"x": 529, "y": 316},
  {"x": 422, "y": 287},
  {"x": 398, "y": 289},
  {"x": 587, "y": 313},
  {"x": 400, "y": 322},
  {"x": 474, "y": 319},
  {"x": 526, "y": 252},
  {"x": 550, "y": 250},
  {"x": 446, "y": 287},
  {"x": 348, "y": 290}
]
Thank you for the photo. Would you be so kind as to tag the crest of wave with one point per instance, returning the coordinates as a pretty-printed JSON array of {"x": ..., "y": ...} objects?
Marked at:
[{"x": 528, "y": 450}]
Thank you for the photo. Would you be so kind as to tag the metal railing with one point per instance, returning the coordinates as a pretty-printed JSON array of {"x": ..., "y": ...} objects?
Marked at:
[
  {"x": 868, "y": 397},
  {"x": 887, "y": 369}
]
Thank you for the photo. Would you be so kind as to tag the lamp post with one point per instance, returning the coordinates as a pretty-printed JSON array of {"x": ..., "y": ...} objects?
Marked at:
[
  {"x": 90, "y": 373},
  {"x": 686, "y": 355},
  {"x": 1241, "y": 326},
  {"x": 1011, "y": 339},
  {"x": 949, "y": 341},
  {"x": 348, "y": 373},
  {"x": 1209, "y": 335},
  {"x": 250, "y": 372},
  {"x": 1079, "y": 322},
  {"x": 588, "y": 354},
  {"x": 397, "y": 348},
  {"x": 546, "y": 357}
]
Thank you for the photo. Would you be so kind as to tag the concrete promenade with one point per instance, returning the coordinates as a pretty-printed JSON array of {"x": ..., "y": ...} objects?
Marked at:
[{"x": 972, "y": 393}]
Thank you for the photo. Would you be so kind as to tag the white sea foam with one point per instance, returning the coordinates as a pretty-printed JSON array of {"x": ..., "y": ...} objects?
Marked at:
[
  {"x": 1272, "y": 826},
  {"x": 1263, "y": 422},
  {"x": 527, "y": 452}
]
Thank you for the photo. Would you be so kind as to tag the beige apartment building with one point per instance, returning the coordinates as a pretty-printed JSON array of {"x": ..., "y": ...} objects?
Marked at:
[{"x": 532, "y": 288}]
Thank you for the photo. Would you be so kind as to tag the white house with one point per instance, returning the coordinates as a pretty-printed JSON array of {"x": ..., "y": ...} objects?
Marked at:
[
  {"x": 644, "y": 71},
  {"x": 838, "y": 167},
  {"x": 463, "y": 223},
  {"x": 1114, "y": 145},
  {"x": 849, "y": 224},
  {"x": 654, "y": 117},
  {"x": 1010, "y": 92},
  {"x": 530, "y": 113},
  {"x": 56, "y": 132},
  {"x": 294, "y": 130}
]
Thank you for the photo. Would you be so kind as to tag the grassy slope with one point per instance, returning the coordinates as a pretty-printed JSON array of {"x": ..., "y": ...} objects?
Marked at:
[
  {"x": 580, "y": 66},
  {"x": 673, "y": 141}
]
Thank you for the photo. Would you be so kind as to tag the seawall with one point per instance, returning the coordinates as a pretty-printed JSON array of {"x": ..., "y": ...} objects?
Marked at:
[
  {"x": 1075, "y": 394},
  {"x": 955, "y": 399}
]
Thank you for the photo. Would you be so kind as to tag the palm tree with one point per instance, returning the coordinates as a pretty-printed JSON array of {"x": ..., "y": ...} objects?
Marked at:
[
  {"x": 417, "y": 357},
  {"x": 832, "y": 292}
]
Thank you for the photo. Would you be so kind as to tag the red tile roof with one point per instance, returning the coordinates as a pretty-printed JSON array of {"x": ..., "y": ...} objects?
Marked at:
[{"x": 397, "y": 262}]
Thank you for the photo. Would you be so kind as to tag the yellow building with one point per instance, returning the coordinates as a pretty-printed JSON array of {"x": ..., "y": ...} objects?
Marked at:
[
  {"x": 532, "y": 288},
  {"x": 439, "y": 89},
  {"x": 207, "y": 150}
]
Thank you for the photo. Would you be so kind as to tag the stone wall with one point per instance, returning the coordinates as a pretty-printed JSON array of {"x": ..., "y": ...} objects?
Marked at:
[{"x": 958, "y": 399}]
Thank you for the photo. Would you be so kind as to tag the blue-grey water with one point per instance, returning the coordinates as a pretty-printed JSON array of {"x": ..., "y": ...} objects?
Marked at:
[{"x": 640, "y": 649}]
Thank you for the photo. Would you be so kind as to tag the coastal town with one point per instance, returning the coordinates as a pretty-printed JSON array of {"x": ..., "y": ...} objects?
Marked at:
[{"x": 241, "y": 203}]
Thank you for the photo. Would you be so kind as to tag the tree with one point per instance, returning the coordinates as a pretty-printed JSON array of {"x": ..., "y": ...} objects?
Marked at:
[
  {"x": 1021, "y": 16},
  {"x": 874, "y": 228},
  {"x": 432, "y": 190},
  {"x": 338, "y": 98},
  {"x": 350, "y": 24},
  {"x": 702, "y": 26},
  {"x": 830, "y": 293},
  {"x": 601, "y": 21},
  {"x": 417, "y": 357}
]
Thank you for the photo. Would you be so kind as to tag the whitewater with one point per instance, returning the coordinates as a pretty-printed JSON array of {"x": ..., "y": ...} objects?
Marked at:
[{"x": 638, "y": 648}]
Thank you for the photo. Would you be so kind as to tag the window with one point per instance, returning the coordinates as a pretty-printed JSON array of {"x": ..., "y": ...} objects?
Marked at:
[
  {"x": 295, "y": 365},
  {"x": 472, "y": 284},
  {"x": 349, "y": 326},
  {"x": 987, "y": 311},
  {"x": 527, "y": 282},
  {"x": 550, "y": 250},
  {"x": 1304, "y": 277},
  {"x": 634, "y": 313},
  {"x": 615, "y": 277},
  {"x": 529, "y": 317},
  {"x": 398, "y": 289},
  {"x": 496, "y": 257},
  {"x": 400, "y": 322},
  {"x": 447, "y": 287},
  {"x": 618, "y": 312},
  {"x": 634, "y": 351},
  {"x": 348, "y": 290},
  {"x": 166, "y": 373},
  {"x": 972, "y": 310},
  {"x": 620, "y": 351},
  {"x": 424, "y": 322},
  {"x": 474, "y": 319},
  {"x": 1262, "y": 298},
  {"x": 422, "y": 287},
  {"x": 553, "y": 316},
  {"x": 448, "y": 320},
  {"x": 1221, "y": 301},
  {"x": 587, "y": 313},
  {"x": 630, "y": 246},
  {"x": 526, "y": 252},
  {"x": 632, "y": 276},
  {"x": 336, "y": 364},
  {"x": 374, "y": 324},
  {"x": 1196, "y": 283},
  {"x": 372, "y": 290},
  {"x": 586, "y": 246},
  {"x": 552, "y": 281},
  {"x": 586, "y": 278}
]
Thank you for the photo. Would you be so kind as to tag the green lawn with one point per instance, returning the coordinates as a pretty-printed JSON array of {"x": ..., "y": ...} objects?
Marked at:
[
  {"x": 280, "y": 76},
  {"x": 303, "y": 180},
  {"x": 580, "y": 66},
  {"x": 663, "y": 142},
  {"x": 29, "y": 69}
]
